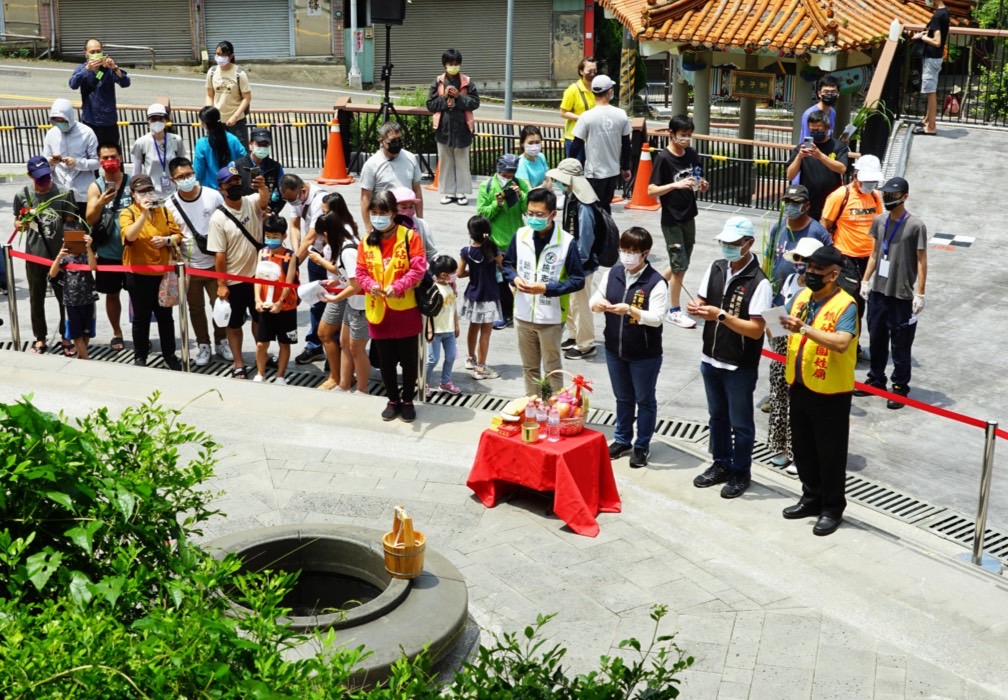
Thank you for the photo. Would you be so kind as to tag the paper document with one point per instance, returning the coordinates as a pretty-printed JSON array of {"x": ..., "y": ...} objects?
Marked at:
[{"x": 773, "y": 317}]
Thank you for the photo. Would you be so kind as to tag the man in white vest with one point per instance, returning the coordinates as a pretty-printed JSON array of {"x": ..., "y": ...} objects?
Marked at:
[{"x": 544, "y": 266}]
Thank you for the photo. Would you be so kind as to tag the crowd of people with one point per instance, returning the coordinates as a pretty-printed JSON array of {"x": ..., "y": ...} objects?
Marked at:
[{"x": 836, "y": 252}]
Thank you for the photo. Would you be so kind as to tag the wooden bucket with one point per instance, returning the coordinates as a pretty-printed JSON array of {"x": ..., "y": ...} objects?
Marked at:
[{"x": 404, "y": 547}]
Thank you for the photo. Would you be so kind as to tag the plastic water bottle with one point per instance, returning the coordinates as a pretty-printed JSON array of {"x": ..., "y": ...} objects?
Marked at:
[
  {"x": 540, "y": 414},
  {"x": 530, "y": 412},
  {"x": 553, "y": 429}
]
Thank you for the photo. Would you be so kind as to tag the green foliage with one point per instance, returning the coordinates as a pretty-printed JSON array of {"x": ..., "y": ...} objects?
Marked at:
[
  {"x": 989, "y": 14},
  {"x": 994, "y": 93}
]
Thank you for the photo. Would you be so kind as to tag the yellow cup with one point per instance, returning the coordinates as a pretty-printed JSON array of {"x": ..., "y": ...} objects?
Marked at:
[{"x": 530, "y": 432}]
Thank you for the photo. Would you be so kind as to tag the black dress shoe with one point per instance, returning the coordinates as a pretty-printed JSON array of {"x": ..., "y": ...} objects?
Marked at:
[
  {"x": 826, "y": 525},
  {"x": 900, "y": 390},
  {"x": 873, "y": 384},
  {"x": 800, "y": 510}
]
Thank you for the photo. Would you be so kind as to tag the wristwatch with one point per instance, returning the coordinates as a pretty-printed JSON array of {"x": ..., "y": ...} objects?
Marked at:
[
  {"x": 721, "y": 317},
  {"x": 803, "y": 330}
]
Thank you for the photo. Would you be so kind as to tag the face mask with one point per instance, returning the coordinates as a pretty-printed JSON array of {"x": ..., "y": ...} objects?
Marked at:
[
  {"x": 801, "y": 268},
  {"x": 157, "y": 127},
  {"x": 731, "y": 253},
  {"x": 829, "y": 100},
  {"x": 929, "y": 3},
  {"x": 792, "y": 210},
  {"x": 533, "y": 149},
  {"x": 814, "y": 281},
  {"x": 408, "y": 211},
  {"x": 818, "y": 136},
  {"x": 188, "y": 184},
  {"x": 380, "y": 222},
  {"x": 452, "y": 70},
  {"x": 261, "y": 152},
  {"x": 503, "y": 180},
  {"x": 630, "y": 260},
  {"x": 890, "y": 205},
  {"x": 62, "y": 126},
  {"x": 536, "y": 223},
  {"x": 234, "y": 192},
  {"x": 222, "y": 60},
  {"x": 684, "y": 140},
  {"x": 394, "y": 146},
  {"x": 43, "y": 182},
  {"x": 867, "y": 187},
  {"x": 110, "y": 166},
  {"x": 272, "y": 243}
]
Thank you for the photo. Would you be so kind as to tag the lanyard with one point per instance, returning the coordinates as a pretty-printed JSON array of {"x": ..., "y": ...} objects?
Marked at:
[
  {"x": 887, "y": 237},
  {"x": 162, "y": 160}
]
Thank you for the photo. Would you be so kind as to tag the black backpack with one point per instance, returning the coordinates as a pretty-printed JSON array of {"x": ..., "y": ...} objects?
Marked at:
[{"x": 607, "y": 235}]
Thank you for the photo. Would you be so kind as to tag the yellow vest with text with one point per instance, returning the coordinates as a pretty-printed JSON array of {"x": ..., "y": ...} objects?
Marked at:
[
  {"x": 398, "y": 265},
  {"x": 823, "y": 371}
]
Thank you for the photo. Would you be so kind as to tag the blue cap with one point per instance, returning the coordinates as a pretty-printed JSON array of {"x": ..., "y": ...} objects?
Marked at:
[
  {"x": 38, "y": 167},
  {"x": 226, "y": 173},
  {"x": 507, "y": 163}
]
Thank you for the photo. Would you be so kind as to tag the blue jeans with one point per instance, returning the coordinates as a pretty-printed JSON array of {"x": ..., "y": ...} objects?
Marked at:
[
  {"x": 447, "y": 340},
  {"x": 730, "y": 405},
  {"x": 312, "y": 342},
  {"x": 634, "y": 383}
]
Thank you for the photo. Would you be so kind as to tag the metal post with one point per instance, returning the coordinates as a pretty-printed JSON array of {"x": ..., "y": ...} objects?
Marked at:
[
  {"x": 183, "y": 287},
  {"x": 11, "y": 297},
  {"x": 508, "y": 60},
  {"x": 977, "y": 556}
]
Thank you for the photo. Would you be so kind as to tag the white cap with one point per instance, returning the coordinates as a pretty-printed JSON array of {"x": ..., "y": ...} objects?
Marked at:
[
  {"x": 735, "y": 229},
  {"x": 157, "y": 110},
  {"x": 868, "y": 169},
  {"x": 804, "y": 248},
  {"x": 601, "y": 84}
]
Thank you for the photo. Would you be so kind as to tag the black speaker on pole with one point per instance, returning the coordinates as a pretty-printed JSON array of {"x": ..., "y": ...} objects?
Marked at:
[{"x": 388, "y": 11}]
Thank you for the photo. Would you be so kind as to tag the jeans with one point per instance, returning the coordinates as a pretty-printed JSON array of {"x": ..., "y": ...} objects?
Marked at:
[
  {"x": 732, "y": 424},
  {"x": 568, "y": 143},
  {"x": 448, "y": 341},
  {"x": 634, "y": 383},
  {"x": 315, "y": 273},
  {"x": 143, "y": 292},
  {"x": 889, "y": 324}
]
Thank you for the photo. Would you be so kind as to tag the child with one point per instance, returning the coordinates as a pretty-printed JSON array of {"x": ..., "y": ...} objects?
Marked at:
[
  {"x": 445, "y": 325},
  {"x": 277, "y": 319},
  {"x": 481, "y": 307},
  {"x": 78, "y": 295}
]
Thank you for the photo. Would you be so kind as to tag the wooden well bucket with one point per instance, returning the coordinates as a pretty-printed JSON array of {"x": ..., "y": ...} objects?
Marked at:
[{"x": 404, "y": 547}]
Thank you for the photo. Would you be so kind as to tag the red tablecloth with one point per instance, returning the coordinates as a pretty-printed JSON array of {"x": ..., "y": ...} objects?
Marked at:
[{"x": 577, "y": 469}]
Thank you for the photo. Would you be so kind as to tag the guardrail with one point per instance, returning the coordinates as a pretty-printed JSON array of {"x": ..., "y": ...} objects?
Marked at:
[{"x": 129, "y": 47}]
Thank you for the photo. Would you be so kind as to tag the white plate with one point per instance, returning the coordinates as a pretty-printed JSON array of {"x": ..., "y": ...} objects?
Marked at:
[{"x": 509, "y": 418}]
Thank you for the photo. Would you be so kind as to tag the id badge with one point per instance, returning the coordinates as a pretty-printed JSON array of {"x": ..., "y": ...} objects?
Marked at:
[
  {"x": 883, "y": 268},
  {"x": 166, "y": 184}
]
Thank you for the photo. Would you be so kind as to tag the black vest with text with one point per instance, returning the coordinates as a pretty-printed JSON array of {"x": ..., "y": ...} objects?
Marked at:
[
  {"x": 719, "y": 342},
  {"x": 624, "y": 337}
]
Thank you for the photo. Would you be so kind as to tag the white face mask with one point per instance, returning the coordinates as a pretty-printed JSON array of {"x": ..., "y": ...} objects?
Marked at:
[
  {"x": 533, "y": 149},
  {"x": 222, "y": 60},
  {"x": 503, "y": 180},
  {"x": 157, "y": 127},
  {"x": 630, "y": 261}
]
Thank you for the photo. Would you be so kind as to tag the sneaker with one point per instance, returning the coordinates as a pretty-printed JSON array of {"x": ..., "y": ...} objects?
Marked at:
[
  {"x": 715, "y": 474},
  {"x": 447, "y": 199},
  {"x": 273, "y": 361},
  {"x": 791, "y": 469},
  {"x": 407, "y": 412},
  {"x": 391, "y": 410},
  {"x": 736, "y": 486},
  {"x": 569, "y": 343},
  {"x": 174, "y": 364},
  {"x": 259, "y": 378},
  {"x": 450, "y": 388},
  {"x": 639, "y": 458},
  {"x": 224, "y": 351},
  {"x": 203, "y": 356},
  {"x": 575, "y": 354},
  {"x": 280, "y": 380},
  {"x": 470, "y": 362},
  {"x": 427, "y": 392},
  {"x": 309, "y": 355},
  {"x": 501, "y": 325},
  {"x": 679, "y": 318},
  {"x": 618, "y": 449},
  {"x": 874, "y": 384},
  {"x": 485, "y": 372}
]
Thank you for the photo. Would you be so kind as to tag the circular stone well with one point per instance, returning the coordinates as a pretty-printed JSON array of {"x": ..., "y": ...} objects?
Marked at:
[{"x": 343, "y": 586}]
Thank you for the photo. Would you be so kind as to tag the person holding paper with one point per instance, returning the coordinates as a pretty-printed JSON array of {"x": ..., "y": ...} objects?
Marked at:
[{"x": 821, "y": 354}]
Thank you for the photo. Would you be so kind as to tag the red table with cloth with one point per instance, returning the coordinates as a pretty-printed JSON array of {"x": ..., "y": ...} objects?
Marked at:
[{"x": 577, "y": 470}]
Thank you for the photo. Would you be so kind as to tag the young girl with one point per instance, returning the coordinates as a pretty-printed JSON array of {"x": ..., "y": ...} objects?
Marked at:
[
  {"x": 532, "y": 166},
  {"x": 443, "y": 330},
  {"x": 481, "y": 307},
  {"x": 277, "y": 312},
  {"x": 78, "y": 295}
]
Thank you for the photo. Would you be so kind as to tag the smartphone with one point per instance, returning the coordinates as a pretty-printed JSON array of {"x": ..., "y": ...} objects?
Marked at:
[
  {"x": 510, "y": 197},
  {"x": 313, "y": 249},
  {"x": 808, "y": 142},
  {"x": 255, "y": 171}
]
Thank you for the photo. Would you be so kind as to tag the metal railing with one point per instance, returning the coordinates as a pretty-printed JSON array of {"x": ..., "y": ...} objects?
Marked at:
[{"x": 130, "y": 47}]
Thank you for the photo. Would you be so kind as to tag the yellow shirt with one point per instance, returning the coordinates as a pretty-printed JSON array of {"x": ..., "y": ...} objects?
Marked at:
[
  {"x": 851, "y": 235},
  {"x": 142, "y": 251},
  {"x": 578, "y": 99}
]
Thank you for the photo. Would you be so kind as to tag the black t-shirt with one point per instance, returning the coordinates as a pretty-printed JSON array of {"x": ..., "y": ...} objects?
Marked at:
[
  {"x": 271, "y": 172},
  {"x": 819, "y": 179},
  {"x": 939, "y": 22},
  {"x": 678, "y": 206}
]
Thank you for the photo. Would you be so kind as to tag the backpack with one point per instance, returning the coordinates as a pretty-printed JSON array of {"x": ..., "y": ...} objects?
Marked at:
[
  {"x": 607, "y": 235},
  {"x": 238, "y": 75}
]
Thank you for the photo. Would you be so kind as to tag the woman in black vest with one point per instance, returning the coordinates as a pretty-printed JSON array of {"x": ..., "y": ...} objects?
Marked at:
[{"x": 633, "y": 296}]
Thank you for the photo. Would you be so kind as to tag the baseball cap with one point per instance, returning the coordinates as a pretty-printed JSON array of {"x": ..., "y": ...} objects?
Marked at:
[
  {"x": 507, "y": 163},
  {"x": 735, "y": 229},
  {"x": 826, "y": 255},
  {"x": 226, "y": 173},
  {"x": 796, "y": 193},
  {"x": 157, "y": 110},
  {"x": 404, "y": 194},
  {"x": 141, "y": 183},
  {"x": 259, "y": 135},
  {"x": 38, "y": 167},
  {"x": 803, "y": 248},
  {"x": 602, "y": 83},
  {"x": 569, "y": 172},
  {"x": 868, "y": 168},
  {"x": 893, "y": 184}
]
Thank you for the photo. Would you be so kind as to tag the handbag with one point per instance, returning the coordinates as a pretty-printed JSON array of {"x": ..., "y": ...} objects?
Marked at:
[
  {"x": 168, "y": 290},
  {"x": 428, "y": 296},
  {"x": 104, "y": 229}
]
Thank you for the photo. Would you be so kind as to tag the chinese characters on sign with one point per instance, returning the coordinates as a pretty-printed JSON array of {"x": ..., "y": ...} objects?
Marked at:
[{"x": 759, "y": 86}]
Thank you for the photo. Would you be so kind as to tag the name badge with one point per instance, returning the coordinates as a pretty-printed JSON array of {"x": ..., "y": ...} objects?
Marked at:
[
  {"x": 883, "y": 268},
  {"x": 166, "y": 184}
]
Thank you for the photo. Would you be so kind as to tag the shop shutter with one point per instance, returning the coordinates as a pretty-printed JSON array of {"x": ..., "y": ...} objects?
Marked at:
[
  {"x": 166, "y": 27},
  {"x": 257, "y": 28},
  {"x": 478, "y": 30}
]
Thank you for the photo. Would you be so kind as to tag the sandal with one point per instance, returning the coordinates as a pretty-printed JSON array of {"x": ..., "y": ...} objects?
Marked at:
[
  {"x": 239, "y": 373},
  {"x": 68, "y": 349},
  {"x": 117, "y": 343},
  {"x": 919, "y": 131},
  {"x": 39, "y": 347}
]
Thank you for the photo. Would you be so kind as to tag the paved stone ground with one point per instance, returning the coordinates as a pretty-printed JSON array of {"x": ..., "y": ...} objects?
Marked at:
[{"x": 878, "y": 610}]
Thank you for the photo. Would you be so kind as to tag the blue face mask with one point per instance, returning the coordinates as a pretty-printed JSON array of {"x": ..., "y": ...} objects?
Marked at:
[
  {"x": 272, "y": 243},
  {"x": 536, "y": 223},
  {"x": 731, "y": 253},
  {"x": 381, "y": 222}
]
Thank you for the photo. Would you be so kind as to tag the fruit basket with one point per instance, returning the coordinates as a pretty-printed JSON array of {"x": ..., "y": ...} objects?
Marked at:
[
  {"x": 572, "y": 426},
  {"x": 571, "y": 402}
]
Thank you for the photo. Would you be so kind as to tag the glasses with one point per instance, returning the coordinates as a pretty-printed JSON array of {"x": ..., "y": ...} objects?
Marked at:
[{"x": 184, "y": 176}]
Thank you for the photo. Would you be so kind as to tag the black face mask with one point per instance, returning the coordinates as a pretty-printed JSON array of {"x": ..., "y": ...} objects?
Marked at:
[
  {"x": 819, "y": 136},
  {"x": 829, "y": 100},
  {"x": 394, "y": 146},
  {"x": 234, "y": 192},
  {"x": 814, "y": 280},
  {"x": 890, "y": 205}
]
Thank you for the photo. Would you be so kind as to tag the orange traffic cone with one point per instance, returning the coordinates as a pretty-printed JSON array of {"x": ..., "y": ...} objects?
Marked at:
[
  {"x": 433, "y": 186},
  {"x": 334, "y": 170},
  {"x": 641, "y": 199}
]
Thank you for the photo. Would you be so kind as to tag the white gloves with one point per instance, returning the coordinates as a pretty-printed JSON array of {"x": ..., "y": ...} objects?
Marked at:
[
  {"x": 918, "y": 304},
  {"x": 864, "y": 290}
]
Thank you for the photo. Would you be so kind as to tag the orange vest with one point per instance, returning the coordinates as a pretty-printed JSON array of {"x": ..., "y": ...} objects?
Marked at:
[
  {"x": 370, "y": 256},
  {"x": 470, "y": 120},
  {"x": 283, "y": 259}
]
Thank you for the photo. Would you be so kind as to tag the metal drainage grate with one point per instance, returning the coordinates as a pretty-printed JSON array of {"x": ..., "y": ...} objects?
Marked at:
[{"x": 958, "y": 528}]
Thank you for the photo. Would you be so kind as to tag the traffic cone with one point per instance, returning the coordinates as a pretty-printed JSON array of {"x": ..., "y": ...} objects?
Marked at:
[
  {"x": 334, "y": 170},
  {"x": 433, "y": 186},
  {"x": 640, "y": 199}
]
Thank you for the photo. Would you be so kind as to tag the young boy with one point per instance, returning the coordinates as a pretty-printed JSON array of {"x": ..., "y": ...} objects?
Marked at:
[
  {"x": 444, "y": 328},
  {"x": 277, "y": 318},
  {"x": 78, "y": 295}
]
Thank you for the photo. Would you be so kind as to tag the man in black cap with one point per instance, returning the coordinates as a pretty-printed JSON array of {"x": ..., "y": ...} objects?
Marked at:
[
  {"x": 260, "y": 155},
  {"x": 893, "y": 286},
  {"x": 821, "y": 353}
]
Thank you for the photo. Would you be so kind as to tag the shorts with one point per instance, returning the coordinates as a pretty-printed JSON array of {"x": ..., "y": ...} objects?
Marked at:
[
  {"x": 333, "y": 313},
  {"x": 679, "y": 241},
  {"x": 357, "y": 321},
  {"x": 241, "y": 296},
  {"x": 281, "y": 327},
  {"x": 929, "y": 76},
  {"x": 109, "y": 282},
  {"x": 80, "y": 322}
]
